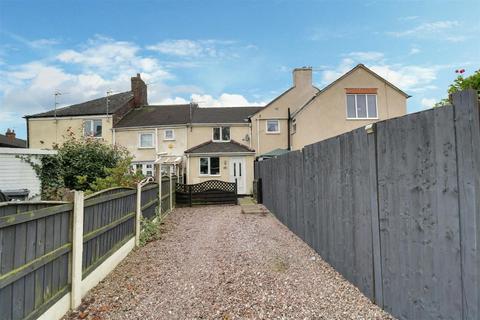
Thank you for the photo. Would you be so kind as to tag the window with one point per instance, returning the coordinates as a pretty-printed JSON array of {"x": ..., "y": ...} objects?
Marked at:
[
  {"x": 294, "y": 126},
  {"x": 146, "y": 169},
  {"x": 92, "y": 128},
  {"x": 146, "y": 140},
  {"x": 210, "y": 166},
  {"x": 221, "y": 134},
  {"x": 362, "y": 106},
  {"x": 273, "y": 126},
  {"x": 149, "y": 170},
  {"x": 168, "y": 134}
]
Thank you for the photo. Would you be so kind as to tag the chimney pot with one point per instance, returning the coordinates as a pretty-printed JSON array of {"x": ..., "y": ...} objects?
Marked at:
[{"x": 10, "y": 134}]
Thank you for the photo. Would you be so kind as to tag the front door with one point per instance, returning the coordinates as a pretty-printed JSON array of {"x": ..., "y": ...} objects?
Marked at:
[{"x": 238, "y": 174}]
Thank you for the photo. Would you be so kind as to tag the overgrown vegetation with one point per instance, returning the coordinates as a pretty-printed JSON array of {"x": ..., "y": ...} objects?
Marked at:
[
  {"x": 84, "y": 164},
  {"x": 462, "y": 83},
  {"x": 150, "y": 228}
]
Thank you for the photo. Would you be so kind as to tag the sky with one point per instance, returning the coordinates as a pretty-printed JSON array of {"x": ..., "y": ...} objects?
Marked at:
[{"x": 224, "y": 53}]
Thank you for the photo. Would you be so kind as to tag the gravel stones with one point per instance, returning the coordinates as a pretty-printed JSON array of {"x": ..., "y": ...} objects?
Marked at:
[{"x": 213, "y": 262}]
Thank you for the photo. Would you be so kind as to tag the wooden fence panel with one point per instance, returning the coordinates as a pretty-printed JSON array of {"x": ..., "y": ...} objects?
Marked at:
[
  {"x": 34, "y": 256},
  {"x": 419, "y": 222},
  {"x": 109, "y": 221},
  {"x": 467, "y": 134},
  {"x": 150, "y": 200}
]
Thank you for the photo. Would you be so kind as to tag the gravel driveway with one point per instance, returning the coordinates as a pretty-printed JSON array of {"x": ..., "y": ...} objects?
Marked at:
[{"x": 216, "y": 263}]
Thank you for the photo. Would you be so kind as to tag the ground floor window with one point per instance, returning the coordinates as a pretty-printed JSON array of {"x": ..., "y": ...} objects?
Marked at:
[
  {"x": 147, "y": 169},
  {"x": 210, "y": 166}
]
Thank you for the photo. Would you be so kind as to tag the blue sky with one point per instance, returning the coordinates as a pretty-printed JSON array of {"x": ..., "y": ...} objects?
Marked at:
[{"x": 225, "y": 52}]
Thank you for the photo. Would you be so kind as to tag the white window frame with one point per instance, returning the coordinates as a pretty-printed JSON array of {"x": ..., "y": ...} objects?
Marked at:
[
  {"x": 221, "y": 134},
  {"x": 143, "y": 168},
  {"x": 272, "y": 132},
  {"x": 91, "y": 122},
  {"x": 356, "y": 109},
  {"x": 165, "y": 135},
  {"x": 209, "y": 167},
  {"x": 140, "y": 140}
]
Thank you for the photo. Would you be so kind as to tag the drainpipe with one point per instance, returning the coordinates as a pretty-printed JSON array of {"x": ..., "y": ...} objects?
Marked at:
[
  {"x": 258, "y": 136},
  {"x": 288, "y": 129}
]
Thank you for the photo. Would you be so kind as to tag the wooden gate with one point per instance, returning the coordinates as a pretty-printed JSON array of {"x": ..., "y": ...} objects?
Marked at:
[{"x": 208, "y": 192}]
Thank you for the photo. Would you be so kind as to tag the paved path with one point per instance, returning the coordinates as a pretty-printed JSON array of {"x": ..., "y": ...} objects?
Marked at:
[{"x": 216, "y": 263}]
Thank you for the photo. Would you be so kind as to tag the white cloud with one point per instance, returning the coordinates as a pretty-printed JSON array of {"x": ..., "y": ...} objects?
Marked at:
[
  {"x": 40, "y": 43},
  {"x": 446, "y": 30},
  {"x": 206, "y": 100},
  {"x": 366, "y": 55},
  {"x": 414, "y": 50},
  {"x": 406, "y": 77},
  {"x": 428, "y": 103},
  {"x": 89, "y": 71},
  {"x": 194, "y": 48}
]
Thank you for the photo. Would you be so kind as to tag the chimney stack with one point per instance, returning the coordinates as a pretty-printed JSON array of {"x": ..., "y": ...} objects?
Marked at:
[
  {"x": 139, "y": 89},
  {"x": 302, "y": 77},
  {"x": 10, "y": 134}
]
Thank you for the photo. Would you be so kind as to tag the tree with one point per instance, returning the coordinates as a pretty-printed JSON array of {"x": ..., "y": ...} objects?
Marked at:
[
  {"x": 84, "y": 164},
  {"x": 462, "y": 83}
]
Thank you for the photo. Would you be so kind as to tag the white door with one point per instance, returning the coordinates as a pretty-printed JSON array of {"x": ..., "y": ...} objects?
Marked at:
[{"x": 238, "y": 173}]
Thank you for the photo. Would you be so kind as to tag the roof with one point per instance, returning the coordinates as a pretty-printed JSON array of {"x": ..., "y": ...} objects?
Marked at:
[
  {"x": 12, "y": 143},
  {"x": 274, "y": 153},
  {"x": 358, "y": 66},
  {"x": 224, "y": 114},
  {"x": 156, "y": 115},
  {"x": 219, "y": 147},
  {"x": 361, "y": 66},
  {"x": 92, "y": 107}
]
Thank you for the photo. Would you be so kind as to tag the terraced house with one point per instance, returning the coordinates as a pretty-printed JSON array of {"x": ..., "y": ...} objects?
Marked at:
[{"x": 204, "y": 143}]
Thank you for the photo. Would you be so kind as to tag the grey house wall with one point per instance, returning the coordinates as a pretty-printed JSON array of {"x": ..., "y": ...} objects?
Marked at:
[{"x": 395, "y": 211}]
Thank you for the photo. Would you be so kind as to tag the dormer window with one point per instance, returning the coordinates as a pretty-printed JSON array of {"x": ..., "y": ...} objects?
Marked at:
[{"x": 221, "y": 134}]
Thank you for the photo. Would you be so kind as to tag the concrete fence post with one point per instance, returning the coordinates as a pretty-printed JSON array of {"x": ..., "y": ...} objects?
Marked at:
[
  {"x": 158, "y": 177},
  {"x": 138, "y": 215},
  {"x": 77, "y": 250},
  {"x": 171, "y": 191}
]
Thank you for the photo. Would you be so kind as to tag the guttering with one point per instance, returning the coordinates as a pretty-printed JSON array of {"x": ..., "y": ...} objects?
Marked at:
[{"x": 221, "y": 154}]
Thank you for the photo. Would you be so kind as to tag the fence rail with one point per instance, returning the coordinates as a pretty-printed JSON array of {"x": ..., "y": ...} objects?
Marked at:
[
  {"x": 38, "y": 246},
  {"x": 396, "y": 210}
]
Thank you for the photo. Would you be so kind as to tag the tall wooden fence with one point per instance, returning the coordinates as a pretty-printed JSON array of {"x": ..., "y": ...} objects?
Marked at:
[
  {"x": 36, "y": 240},
  {"x": 395, "y": 209}
]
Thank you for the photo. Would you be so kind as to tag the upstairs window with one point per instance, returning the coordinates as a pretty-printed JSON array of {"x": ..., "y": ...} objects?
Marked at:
[
  {"x": 221, "y": 134},
  {"x": 168, "y": 134},
  {"x": 210, "y": 166},
  {"x": 362, "y": 106},
  {"x": 145, "y": 140},
  {"x": 273, "y": 126},
  {"x": 92, "y": 128}
]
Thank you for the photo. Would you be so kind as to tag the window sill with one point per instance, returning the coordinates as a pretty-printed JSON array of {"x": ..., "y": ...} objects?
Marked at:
[
  {"x": 146, "y": 148},
  {"x": 221, "y": 140},
  {"x": 209, "y": 175},
  {"x": 363, "y": 118},
  {"x": 276, "y": 132},
  {"x": 168, "y": 139}
]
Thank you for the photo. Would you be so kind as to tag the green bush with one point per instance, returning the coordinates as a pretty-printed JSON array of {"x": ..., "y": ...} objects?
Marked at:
[
  {"x": 84, "y": 164},
  {"x": 83, "y": 161}
]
